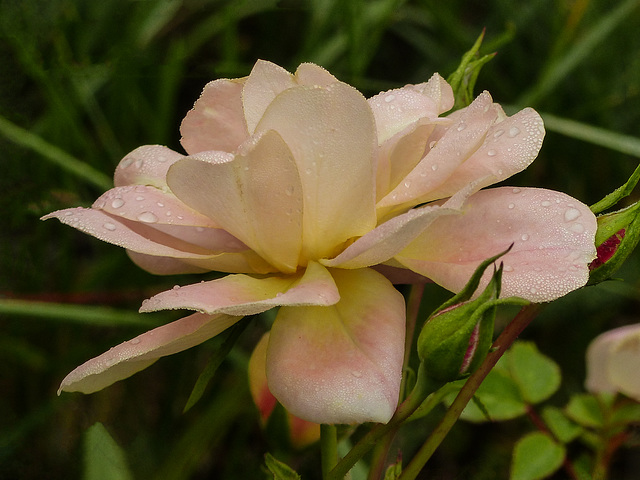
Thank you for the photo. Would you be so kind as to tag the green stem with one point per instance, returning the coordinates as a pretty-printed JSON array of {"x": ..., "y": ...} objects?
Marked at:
[
  {"x": 503, "y": 342},
  {"x": 328, "y": 448},
  {"x": 424, "y": 386}
]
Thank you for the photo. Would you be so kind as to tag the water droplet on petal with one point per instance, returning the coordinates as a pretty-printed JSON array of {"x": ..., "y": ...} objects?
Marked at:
[
  {"x": 147, "y": 217},
  {"x": 524, "y": 237},
  {"x": 176, "y": 287},
  {"x": 577, "y": 228},
  {"x": 199, "y": 229},
  {"x": 498, "y": 133},
  {"x": 109, "y": 226},
  {"x": 432, "y": 144},
  {"x": 389, "y": 98},
  {"x": 279, "y": 294},
  {"x": 511, "y": 205},
  {"x": 571, "y": 214},
  {"x": 461, "y": 127},
  {"x": 491, "y": 153},
  {"x": 134, "y": 341},
  {"x": 289, "y": 191},
  {"x": 139, "y": 198},
  {"x": 160, "y": 204},
  {"x": 508, "y": 268},
  {"x": 117, "y": 203},
  {"x": 356, "y": 373},
  {"x": 161, "y": 158},
  {"x": 407, "y": 184},
  {"x": 68, "y": 214},
  {"x": 513, "y": 131},
  {"x": 533, "y": 290},
  {"x": 516, "y": 190},
  {"x": 434, "y": 167},
  {"x": 546, "y": 203}
]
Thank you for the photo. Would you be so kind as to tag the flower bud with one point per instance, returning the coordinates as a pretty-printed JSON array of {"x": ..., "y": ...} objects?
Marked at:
[
  {"x": 618, "y": 234},
  {"x": 456, "y": 338}
]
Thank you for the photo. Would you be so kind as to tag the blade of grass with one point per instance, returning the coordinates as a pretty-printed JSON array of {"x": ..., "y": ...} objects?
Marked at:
[
  {"x": 82, "y": 314},
  {"x": 559, "y": 70},
  {"x": 54, "y": 154}
]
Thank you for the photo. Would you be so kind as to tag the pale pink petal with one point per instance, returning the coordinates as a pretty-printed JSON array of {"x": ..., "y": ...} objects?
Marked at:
[
  {"x": 146, "y": 165},
  {"x": 388, "y": 239},
  {"x": 163, "y": 265},
  {"x": 510, "y": 147},
  {"x": 599, "y": 356},
  {"x": 257, "y": 197},
  {"x": 439, "y": 91},
  {"x": 331, "y": 133},
  {"x": 130, "y": 357},
  {"x": 343, "y": 363},
  {"x": 216, "y": 121},
  {"x": 265, "y": 82},
  {"x": 167, "y": 214},
  {"x": 133, "y": 202},
  {"x": 312, "y": 74},
  {"x": 552, "y": 236},
  {"x": 624, "y": 364},
  {"x": 396, "y": 109},
  {"x": 136, "y": 236},
  {"x": 244, "y": 295},
  {"x": 458, "y": 142},
  {"x": 301, "y": 432}
]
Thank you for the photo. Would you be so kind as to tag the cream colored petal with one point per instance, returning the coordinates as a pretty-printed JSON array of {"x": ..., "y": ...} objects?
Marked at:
[
  {"x": 439, "y": 91},
  {"x": 624, "y": 364},
  {"x": 330, "y": 131},
  {"x": 312, "y": 74},
  {"x": 216, "y": 121},
  {"x": 257, "y": 197},
  {"x": 130, "y": 357},
  {"x": 265, "y": 82}
]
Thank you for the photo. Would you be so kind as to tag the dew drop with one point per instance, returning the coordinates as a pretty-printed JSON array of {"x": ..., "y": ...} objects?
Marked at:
[
  {"x": 407, "y": 184},
  {"x": 432, "y": 144},
  {"x": 356, "y": 373},
  {"x": 161, "y": 158},
  {"x": 147, "y": 217},
  {"x": 508, "y": 268},
  {"x": 533, "y": 290},
  {"x": 279, "y": 294},
  {"x": 160, "y": 204},
  {"x": 461, "y": 127},
  {"x": 289, "y": 191},
  {"x": 117, "y": 203},
  {"x": 434, "y": 167},
  {"x": 511, "y": 205},
  {"x": 513, "y": 131},
  {"x": 139, "y": 198},
  {"x": 516, "y": 190},
  {"x": 491, "y": 153},
  {"x": 168, "y": 213},
  {"x": 176, "y": 287},
  {"x": 500, "y": 172},
  {"x": 577, "y": 228},
  {"x": 524, "y": 237},
  {"x": 546, "y": 203},
  {"x": 199, "y": 229},
  {"x": 68, "y": 214},
  {"x": 109, "y": 226},
  {"x": 498, "y": 133},
  {"x": 389, "y": 98},
  {"x": 571, "y": 214},
  {"x": 134, "y": 341}
]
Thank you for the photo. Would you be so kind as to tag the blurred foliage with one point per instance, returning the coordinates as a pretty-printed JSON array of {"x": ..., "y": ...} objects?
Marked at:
[{"x": 88, "y": 81}]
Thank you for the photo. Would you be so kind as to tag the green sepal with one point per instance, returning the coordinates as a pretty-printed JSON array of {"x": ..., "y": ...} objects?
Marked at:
[{"x": 463, "y": 80}]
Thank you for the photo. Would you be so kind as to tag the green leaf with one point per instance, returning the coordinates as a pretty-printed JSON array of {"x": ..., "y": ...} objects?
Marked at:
[
  {"x": 536, "y": 456},
  {"x": 562, "y": 427},
  {"x": 215, "y": 361},
  {"x": 103, "y": 458},
  {"x": 625, "y": 414},
  {"x": 499, "y": 396},
  {"x": 463, "y": 80},
  {"x": 585, "y": 410},
  {"x": 280, "y": 470},
  {"x": 537, "y": 376},
  {"x": 394, "y": 471}
]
